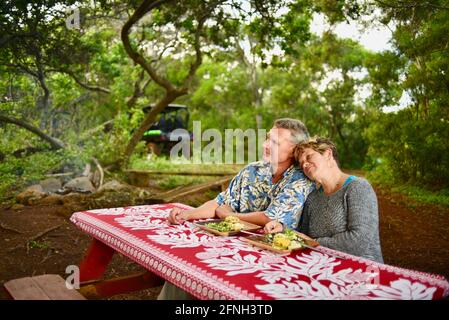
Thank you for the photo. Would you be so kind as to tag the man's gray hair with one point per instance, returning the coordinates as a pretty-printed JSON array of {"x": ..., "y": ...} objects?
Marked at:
[{"x": 297, "y": 129}]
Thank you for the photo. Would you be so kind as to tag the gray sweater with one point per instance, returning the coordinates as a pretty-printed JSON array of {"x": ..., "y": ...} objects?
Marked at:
[{"x": 346, "y": 220}]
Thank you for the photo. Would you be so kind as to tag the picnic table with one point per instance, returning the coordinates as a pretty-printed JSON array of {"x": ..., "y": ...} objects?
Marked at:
[{"x": 212, "y": 267}]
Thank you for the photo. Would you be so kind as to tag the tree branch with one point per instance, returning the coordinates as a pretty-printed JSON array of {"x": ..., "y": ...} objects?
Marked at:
[
  {"x": 55, "y": 143},
  {"x": 138, "y": 91},
  {"x": 22, "y": 68},
  {"x": 411, "y": 5},
  {"x": 143, "y": 9},
  {"x": 9, "y": 38},
  {"x": 43, "y": 84},
  {"x": 198, "y": 58},
  {"x": 81, "y": 84}
]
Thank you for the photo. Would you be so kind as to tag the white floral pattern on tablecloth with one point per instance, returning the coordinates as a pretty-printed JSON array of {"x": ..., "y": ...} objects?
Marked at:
[{"x": 212, "y": 267}]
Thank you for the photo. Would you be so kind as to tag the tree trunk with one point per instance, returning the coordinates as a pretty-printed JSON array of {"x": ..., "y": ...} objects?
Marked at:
[
  {"x": 251, "y": 70},
  {"x": 40, "y": 75},
  {"x": 257, "y": 97},
  {"x": 45, "y": 104},
  {"x": 55, "y": 143},
  {"x": 145, "y": 125},
  {"x": 171, "y": 92},
  {"x": 138, "y": 89},
  {"x": 344, "y": 144}
]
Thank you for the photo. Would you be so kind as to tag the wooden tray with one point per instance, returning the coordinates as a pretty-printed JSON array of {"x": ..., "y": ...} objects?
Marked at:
[
  {"x": 259, "y": 241},
  {"x": 247, "y": 227}
]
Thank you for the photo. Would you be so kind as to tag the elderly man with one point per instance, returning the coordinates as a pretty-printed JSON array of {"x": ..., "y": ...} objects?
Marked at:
[
  {"x": 263, "y": 191},
  {"x": 272, "y": 189}
]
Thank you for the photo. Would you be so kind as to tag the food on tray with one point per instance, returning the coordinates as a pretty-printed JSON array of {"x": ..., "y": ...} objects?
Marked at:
[
  {"x": 230, "y": 223},
  {"x": 287, "y": 240}
]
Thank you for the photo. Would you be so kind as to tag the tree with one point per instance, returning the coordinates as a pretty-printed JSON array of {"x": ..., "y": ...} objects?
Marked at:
[
  {"x": 36, "y": 42},
  {"x": 198, "y": 26},
  {"x": 413, "y": 149},
  {"x": 55, "y": 143}
]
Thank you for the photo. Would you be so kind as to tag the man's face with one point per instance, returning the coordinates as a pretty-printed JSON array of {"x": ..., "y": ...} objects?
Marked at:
[{"x": 278, "y": 146}]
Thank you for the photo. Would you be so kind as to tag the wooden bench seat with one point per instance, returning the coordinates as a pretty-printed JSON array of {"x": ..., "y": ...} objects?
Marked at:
[{"x": 43, "y": 287}]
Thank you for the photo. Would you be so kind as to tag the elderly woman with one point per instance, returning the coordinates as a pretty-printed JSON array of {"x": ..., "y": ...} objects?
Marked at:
[{"x": 342, "y": 212}]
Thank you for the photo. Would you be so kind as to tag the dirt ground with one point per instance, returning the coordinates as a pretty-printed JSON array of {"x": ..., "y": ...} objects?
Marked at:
[{"x": 413, "y": 235}]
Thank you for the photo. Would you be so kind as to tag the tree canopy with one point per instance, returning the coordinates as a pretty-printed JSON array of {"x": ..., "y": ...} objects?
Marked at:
[{"x": 235, "y": 64}]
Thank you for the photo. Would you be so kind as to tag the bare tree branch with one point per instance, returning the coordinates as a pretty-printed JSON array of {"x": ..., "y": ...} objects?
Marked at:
[
  {"x": 22, "y": 68},
  {"x": 138, "y": 91},
  {"x": 55, "y": 143},
  {"x": 81, "y": 84},
  {"x": 171, "y": 91},
  {"x": 198, "y": 57},
  {"x": 143, "y": 9}
]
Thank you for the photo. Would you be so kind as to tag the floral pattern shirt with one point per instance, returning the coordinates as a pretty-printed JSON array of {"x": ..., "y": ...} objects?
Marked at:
[{"x": 252, "y": 190}]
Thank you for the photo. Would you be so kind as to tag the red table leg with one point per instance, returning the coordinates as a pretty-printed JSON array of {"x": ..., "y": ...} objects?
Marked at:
[
  {"x": 108, "y": 288},
  {"x": 96, "y": 260}
]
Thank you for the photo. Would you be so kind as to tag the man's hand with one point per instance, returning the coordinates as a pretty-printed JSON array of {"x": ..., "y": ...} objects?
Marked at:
[
  {"x": 177, "y": 216},
  {"x": 273, "y": 227},
  {"x": 223, "y": 211}
]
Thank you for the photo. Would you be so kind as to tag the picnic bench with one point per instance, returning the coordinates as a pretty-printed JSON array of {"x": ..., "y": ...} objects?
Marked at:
[{"x": 42, "y": 287}]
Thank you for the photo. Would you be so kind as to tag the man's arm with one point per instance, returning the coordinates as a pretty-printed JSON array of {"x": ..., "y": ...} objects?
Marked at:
[
  {"x": 206, "y": 210},
  {"x": 257, "y": 217},
  {"x": 288, "y": 205}
]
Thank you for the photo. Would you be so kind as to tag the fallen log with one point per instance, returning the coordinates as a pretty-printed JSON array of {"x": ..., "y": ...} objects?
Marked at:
[{"x": 172, "y": 195}]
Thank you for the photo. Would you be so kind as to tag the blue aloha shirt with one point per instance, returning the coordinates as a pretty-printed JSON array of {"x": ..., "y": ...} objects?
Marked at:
[{"x": 252, "y": 190}]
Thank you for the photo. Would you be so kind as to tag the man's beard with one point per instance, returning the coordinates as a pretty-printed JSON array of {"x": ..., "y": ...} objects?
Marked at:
[{"x": 273, "y": 165}]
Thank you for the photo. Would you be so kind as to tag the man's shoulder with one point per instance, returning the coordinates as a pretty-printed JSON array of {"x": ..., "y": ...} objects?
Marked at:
[
  {"x": 256, "y": 166},
  {"x": 254, "y": 169},
  {"x": 296, "y": 174},
  {"x": 296, "y": 180}
]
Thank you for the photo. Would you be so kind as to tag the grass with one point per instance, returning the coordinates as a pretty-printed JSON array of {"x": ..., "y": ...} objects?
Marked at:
[
  {"x": 38, "y": 245},
  {"x": 211, "y": 194},
  {"x": 423, "y": 195},
  {"x": 417, "y": 193},
  {"x": 166, "y": 182},
  {"x": 165, "y": 164},
  {"x": 17, "y": 173},
  {"x": 171, "y": 182}
]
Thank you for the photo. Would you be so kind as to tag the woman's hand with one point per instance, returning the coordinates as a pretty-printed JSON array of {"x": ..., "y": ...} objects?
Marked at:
[
  {"x": 223, "y": 211},
  {"x": 177, "y": 216},
  {"x": 273, "y": 227}
]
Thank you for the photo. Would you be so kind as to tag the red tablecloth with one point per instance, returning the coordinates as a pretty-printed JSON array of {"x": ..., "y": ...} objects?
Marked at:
[{"x": 211, "y": 267}]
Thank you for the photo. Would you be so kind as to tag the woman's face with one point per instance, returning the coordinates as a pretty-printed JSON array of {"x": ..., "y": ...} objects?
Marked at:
[{"x": 313, "y": 163}]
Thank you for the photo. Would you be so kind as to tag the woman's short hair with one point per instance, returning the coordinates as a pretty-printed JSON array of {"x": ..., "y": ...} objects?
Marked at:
[
  {"x": 317, "y": 144},
  {"x": 297, "y": 129}
]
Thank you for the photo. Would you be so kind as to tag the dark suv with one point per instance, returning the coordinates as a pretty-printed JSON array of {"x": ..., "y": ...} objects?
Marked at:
[{"x": 158, "y": 137}]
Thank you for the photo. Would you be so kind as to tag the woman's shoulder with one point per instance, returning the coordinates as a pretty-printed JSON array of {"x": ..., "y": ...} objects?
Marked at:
[{"x": 359, "y": 184}]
